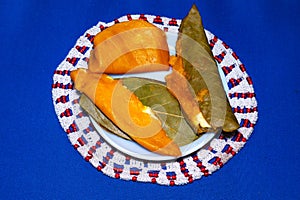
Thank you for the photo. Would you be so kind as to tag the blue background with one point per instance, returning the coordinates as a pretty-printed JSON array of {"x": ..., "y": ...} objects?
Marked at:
[{"x": 36, "y": 158}]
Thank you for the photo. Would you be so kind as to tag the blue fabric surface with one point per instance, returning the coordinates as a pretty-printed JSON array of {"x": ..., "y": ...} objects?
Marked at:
[{"x": 36, "y": 158}]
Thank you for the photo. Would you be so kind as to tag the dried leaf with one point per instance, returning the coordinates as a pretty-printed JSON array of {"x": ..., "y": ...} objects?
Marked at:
[
  {"x": 201, "y": 71},
  {"x": 156, "y": 95},
  {"x": 178, "y": 85},
  {"x": 99, "y": 117}
]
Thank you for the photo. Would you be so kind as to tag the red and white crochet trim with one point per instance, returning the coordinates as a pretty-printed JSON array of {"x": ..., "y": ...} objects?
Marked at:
[{"x": 85, "y": 139}]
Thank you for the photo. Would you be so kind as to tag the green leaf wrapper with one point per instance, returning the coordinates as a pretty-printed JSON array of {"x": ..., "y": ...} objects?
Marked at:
[
  {"x": 155, "y": 94},
  {"x": 200, "y": 69}
]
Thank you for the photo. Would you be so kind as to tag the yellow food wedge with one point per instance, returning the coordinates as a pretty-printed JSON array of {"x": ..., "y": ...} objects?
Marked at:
[
  {"x": 125, "y": 110},
  {"x": 130, "y": 47}
]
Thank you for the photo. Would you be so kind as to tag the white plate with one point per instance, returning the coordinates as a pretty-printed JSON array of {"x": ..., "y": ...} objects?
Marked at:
[{"x": 135, "y": 150}]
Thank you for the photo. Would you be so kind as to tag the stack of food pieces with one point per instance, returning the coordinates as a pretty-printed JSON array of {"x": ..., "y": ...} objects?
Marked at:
[{"x": 160, "y": 116}]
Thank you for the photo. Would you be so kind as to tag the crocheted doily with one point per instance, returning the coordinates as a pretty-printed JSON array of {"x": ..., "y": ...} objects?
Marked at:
[{"x": 112, "y": 162}]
